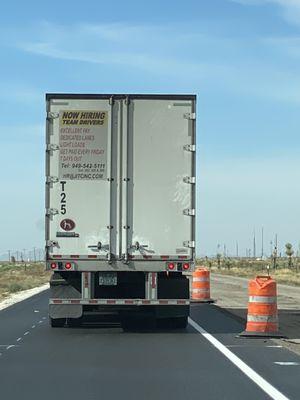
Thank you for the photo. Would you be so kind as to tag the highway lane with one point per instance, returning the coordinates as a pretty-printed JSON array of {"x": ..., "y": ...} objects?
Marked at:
[{"x": 103, "y": 362}]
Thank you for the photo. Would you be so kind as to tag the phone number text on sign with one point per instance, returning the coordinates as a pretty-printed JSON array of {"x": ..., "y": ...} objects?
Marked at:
[{"x": 83, "y": 145}]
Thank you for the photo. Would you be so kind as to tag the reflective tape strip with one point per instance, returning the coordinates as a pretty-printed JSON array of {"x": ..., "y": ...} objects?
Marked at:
[
  {"x": 262, "y": 299},
  {"x": 262, "y": 318},
  {"x": 204, "y": 290},
  {"x": 136, "y": 302},
  {"x": 200, "y": 279}
]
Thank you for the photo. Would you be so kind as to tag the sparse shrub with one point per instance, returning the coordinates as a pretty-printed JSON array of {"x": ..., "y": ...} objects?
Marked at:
[
  {"x": 219, "y": 260},
  {"x": 15, "y": 287},
  {"x": 228, "y": 263}
]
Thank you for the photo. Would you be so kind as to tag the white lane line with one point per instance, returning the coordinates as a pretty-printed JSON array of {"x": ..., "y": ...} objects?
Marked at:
[
  {"x": 248, "y": 371},
  {"x": 286, "y": 363},
  {"x": 253, "y": 345},
  {"x": 40, "y": 322},
  {"x": 33, "y": 326},
  {"x": 10, "y": 346},
  {"x": 26, "y": 333},
  {"x": 36, "y": 311},
  {"x": 44, "y": 317},
  {"x": 19, "y": 339}
]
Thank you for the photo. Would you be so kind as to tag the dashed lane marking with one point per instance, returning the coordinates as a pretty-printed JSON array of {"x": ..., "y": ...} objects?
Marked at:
[
  {"x": 286, "y": 363},
  {"x": 19, "y": 339},
  {"x": 241, "y": 365},
  {"x": 10, "y": 346},
  {"x": 26, "y": 333}
]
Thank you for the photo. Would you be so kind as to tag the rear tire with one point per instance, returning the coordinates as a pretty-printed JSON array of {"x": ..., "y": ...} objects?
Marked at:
[{"x": 57, "y": 322}]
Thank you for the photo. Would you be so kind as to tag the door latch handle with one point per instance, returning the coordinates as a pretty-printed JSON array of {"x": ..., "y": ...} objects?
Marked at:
[
  {"x": 99, "y": 246},
  {"x": 138, "y": 247}
]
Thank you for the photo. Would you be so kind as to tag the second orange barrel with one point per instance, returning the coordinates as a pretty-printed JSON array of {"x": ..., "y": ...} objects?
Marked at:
[
  {"x": 201, "y": 285},
  {"x": 262, "y": 319}
]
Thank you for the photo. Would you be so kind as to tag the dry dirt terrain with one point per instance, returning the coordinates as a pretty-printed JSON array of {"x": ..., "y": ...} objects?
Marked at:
[{"x": 22, "y": 276}]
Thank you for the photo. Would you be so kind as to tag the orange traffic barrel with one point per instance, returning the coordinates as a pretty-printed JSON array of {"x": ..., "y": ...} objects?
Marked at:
[
  {"x": 262, "y": 318},
  {"x": 201, "y": 285}
]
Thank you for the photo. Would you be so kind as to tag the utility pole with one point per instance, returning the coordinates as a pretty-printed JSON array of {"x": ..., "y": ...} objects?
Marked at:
[
  {"x": 275, "y": 251},
  {"x": 254, "y": 245},
  {"x": 34, "y": 255},
  {"x": 271, "y": 248},
  {"x": 24, "y": 255},
  {"x": 262, "y": 242},
  {"x": 237, "y": 249},
  {"x": 9, "y": 256}
]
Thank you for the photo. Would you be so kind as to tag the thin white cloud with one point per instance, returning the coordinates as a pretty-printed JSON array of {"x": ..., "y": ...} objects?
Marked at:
[
  {"x": 290, "y": 8},
  {"x": 152, "y": 49},
  {"x": 192, "y": 59}
]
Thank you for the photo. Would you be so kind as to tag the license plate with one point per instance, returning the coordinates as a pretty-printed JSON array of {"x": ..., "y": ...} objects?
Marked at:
[{"x": 108, "y": 279}]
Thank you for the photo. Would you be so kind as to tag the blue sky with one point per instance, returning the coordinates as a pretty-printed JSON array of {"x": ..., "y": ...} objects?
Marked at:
[{"x": 242, "y": 59}]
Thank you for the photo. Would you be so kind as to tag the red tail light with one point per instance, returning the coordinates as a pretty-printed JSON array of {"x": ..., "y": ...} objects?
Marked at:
[
  {"x": 171, "y": 266},
  {"x": 68, "y": 265},
  {"x": 186, "y": 266},
  {"x": 53, "y": 265}
]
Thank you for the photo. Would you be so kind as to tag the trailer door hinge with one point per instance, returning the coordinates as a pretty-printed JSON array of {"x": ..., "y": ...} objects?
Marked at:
[
  {"x": 51, "y": 147},
  {"x": 52, "y": 115},
  {"x": 189, "y": 179},
  {"x": 189, "y": 211},
  {"x": 51, "y": 243},
  {"x": 189, "y": 115},
  {"x": 189, "y": 243},
  {"x": 51, "y": 179},
  {"x": 51, "y": 211},
  {"x": 189, "y": 147}
]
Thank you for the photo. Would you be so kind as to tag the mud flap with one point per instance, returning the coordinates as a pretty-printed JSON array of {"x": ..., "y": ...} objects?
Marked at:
[
  {"x": 65, "y": 287},
  {"x": 65, "y": 311}
]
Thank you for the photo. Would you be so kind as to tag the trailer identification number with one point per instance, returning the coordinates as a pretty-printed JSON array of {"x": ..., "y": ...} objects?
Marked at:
[{"x": 63, "y": 201}]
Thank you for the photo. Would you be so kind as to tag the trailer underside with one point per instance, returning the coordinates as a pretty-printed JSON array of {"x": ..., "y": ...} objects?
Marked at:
[{"x": 162, "y": 297}]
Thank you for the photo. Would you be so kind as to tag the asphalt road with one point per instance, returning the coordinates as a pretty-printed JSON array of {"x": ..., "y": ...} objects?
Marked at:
[{"x": 103, "y": 362}]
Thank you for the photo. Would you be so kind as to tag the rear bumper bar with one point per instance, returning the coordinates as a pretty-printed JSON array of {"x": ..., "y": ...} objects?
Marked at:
[{"x": 121, "y": 302}]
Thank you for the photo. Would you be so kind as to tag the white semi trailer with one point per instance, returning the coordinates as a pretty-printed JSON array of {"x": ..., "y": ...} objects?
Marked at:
[{"x": 120, "y": 206}]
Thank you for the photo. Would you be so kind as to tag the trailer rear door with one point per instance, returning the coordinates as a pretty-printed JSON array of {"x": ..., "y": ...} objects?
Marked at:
[
  {"x": 158, "y": 168},
  {"x": 79, "y": 189}
]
